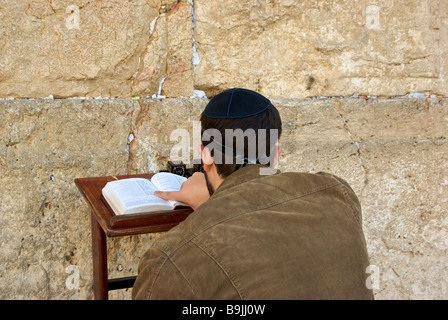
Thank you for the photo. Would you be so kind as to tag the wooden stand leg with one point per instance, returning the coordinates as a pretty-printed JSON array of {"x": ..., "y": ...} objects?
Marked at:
[{"x": 99, "y": 256}]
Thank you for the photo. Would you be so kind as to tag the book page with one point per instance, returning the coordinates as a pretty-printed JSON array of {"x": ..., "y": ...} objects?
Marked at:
[
  {"x": 136, "y": 192},
  {"x": 165, "y": 181}
]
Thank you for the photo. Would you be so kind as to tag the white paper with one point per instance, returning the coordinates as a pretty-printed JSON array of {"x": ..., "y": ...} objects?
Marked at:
[
  {"x": 136, "y": 192},
  {"x": 165, "y": 181}
]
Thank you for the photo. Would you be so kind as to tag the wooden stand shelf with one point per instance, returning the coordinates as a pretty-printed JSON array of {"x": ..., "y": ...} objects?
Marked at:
[{"x": 106, "y": 224}]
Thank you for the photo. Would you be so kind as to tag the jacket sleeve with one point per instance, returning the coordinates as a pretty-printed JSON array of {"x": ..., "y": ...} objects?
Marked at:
[
  {"x": 159, "y": 279},
  {"x": 351, "y": 198}
]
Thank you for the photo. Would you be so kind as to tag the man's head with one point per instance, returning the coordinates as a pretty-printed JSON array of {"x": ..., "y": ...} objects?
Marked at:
[{"x": 239, "y": 127}]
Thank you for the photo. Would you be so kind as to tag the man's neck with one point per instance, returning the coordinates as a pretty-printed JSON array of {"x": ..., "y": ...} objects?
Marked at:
[{"x": 213, "y": 178}]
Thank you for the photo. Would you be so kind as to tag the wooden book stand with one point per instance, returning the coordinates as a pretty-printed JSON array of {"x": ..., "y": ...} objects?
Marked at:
[{"x": 106, "y": 224}]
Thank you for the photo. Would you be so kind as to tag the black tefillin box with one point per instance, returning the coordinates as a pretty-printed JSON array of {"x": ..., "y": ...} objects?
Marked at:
[{"x": 181, "y": 169}]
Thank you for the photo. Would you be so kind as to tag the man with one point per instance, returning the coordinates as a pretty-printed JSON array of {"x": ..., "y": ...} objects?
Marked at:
[{"x": 256, "y": 234}]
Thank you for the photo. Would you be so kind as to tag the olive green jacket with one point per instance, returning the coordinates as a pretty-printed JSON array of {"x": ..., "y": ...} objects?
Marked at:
[{"x": 281, "y": 236}]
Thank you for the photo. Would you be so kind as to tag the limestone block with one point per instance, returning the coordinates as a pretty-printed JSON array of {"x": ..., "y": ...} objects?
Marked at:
[
  {"x": 404, "y": 207},
  {"x": 395, "y": 118},
  {"x": 44, "y": 146},
  {"x": 160, "y": 125},
  {"x": 86, "y": 48},
  {"x": 166, "y": 66},
  {"x": 290, "y": 49},
  {"x": 314, "y": 139}
]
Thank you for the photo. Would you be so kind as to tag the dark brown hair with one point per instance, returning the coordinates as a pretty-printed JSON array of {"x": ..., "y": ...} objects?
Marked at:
[{"x": 268, "y": 119}]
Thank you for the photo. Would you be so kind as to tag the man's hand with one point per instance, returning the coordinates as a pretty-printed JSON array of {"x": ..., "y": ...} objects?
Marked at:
[{"x": 193, "y": 192}]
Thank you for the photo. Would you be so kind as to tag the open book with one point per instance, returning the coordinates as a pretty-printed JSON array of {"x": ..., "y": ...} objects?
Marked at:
[{"x": 136, "y": 195}]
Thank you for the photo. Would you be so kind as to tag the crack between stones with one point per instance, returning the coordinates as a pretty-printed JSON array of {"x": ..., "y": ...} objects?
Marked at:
[
  {"x": 195, "y": 56},
  {"x": 356, "y": 143},
  {"x": 163, "y": 11},
  {"x": 138, "y": 117},
  {"x": 134, "y": 77}
]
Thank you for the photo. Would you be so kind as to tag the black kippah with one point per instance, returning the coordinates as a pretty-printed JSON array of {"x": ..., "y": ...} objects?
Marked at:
[{"x": 236, "y": 103}]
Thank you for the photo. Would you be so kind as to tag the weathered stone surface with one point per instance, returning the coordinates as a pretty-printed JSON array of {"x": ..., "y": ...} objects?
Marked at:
[
  {"x": 86, "y": 48},
  {"x": 405, "y": 219},
  {"x": 290, "y": 49},
  {"x": 396, "y": 167},
  {"x": 166, "y": 65},
  {"x": 155, "y": 127},
  {"x": 44, "y": 146},
  {"x": 284, "y": 49}
]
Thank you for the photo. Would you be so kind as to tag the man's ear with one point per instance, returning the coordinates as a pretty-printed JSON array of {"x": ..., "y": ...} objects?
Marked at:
[
  {"x": 278, "y": 151},
  {"x": 206, "y": 156}
]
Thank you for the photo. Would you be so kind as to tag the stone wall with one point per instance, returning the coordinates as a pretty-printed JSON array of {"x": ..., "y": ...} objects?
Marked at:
[
  {"x": 361, "y": 87},
  {"x": 283, "y": 49}
]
